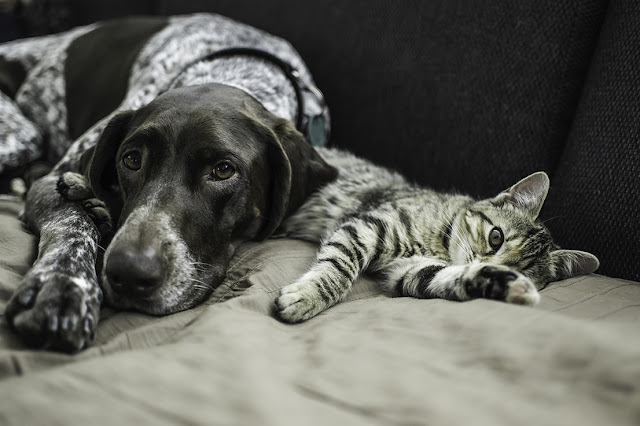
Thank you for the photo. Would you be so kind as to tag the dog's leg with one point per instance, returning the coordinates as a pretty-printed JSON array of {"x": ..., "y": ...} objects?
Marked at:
[{"x": 58, "y": 304}]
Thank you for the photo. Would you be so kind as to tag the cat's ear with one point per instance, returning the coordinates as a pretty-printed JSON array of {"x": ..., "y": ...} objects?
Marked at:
[
  {"x": 571, "y": 263},
  {"x": 527, "y": 195}
]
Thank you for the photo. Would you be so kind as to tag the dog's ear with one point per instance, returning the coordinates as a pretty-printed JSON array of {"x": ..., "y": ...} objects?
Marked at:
[
  {"x": 297, "y": 171},
  {"x": 99, "y": 163}
]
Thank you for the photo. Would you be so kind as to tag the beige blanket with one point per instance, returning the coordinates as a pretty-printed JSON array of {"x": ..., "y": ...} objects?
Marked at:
[{"x": 575, "y": 359}]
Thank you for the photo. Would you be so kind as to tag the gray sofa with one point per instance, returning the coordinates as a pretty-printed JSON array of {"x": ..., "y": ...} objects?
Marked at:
[{"x": 455, "y": 94}]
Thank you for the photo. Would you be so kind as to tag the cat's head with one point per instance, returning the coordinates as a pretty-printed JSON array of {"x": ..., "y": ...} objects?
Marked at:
[{"x": 505, "y": 230}]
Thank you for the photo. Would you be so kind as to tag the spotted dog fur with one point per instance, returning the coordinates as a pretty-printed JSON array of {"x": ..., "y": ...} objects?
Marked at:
[
  {"x": 40, "y": 100},
  {"x": 58, "y": 304},
  {"x": 21, "y": 140}
]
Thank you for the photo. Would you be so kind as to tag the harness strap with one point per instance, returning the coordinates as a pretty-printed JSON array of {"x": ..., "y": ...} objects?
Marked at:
[{"x": 309, "y": 126}]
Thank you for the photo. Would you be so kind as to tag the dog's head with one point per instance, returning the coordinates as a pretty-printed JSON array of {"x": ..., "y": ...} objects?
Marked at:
[{"x": 187, "y": 178}]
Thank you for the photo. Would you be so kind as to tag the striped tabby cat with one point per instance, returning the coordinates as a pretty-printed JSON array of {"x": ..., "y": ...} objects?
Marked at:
[{"x": 422, "y": 243}]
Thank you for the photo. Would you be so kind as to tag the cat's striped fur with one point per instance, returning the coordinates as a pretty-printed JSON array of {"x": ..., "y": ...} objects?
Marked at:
[{"x": 422, "y": 243}]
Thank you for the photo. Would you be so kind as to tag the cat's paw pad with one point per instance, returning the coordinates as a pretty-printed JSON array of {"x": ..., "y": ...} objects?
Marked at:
[
  {"x": 501, "y": 283},
  {"x": 522, "y": 292},
  {"x": 74, "y": 187},
  {"x": 298, "y": 302}
]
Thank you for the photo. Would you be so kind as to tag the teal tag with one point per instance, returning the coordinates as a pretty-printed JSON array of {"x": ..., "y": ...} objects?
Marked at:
[{"x": 315, "y": 131}]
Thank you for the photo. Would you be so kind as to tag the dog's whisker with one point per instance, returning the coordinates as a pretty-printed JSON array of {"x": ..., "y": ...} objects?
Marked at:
[
  {"x": 201, "y": 284},
  {"x": 201, "y": 266},
  {"x": 201, "y": 263},
  {"x": 202, "y": 287}
]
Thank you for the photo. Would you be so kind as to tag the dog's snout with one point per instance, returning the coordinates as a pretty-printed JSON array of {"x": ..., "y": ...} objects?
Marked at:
[{"x": 134, "y": 272}]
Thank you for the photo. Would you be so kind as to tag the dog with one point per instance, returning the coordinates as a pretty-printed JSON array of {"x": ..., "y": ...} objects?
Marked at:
[{"x": 176, "y": 139}]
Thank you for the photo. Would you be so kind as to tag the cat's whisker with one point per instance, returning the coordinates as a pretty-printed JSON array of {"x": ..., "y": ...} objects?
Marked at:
[
  {"x": 463, "y": 245},
  {"x": 460, "y": 244},
  {"x": 457, "y": 240},
  {"x": 551, "y": 218}
]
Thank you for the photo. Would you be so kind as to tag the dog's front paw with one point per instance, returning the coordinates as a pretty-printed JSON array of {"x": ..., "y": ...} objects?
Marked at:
[
  {"x": 74, "y": 187},
  {"x": 298, "y": 302},
  {"x": 55, "y": 311},
  {"x": 99, "y": 214},
  {"x": 502, "y": 283}
]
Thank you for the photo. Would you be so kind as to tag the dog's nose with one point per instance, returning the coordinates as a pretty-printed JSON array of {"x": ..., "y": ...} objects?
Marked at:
[{"x": 133, "y": 272}]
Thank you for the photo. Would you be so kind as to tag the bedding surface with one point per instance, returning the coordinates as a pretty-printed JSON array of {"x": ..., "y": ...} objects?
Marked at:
[{"x": 574, "y": 359}]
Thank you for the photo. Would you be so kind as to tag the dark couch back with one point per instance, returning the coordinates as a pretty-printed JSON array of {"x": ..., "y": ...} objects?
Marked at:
[
  {"x": 596, "y": 194},
  {"x": 474, "y": 95}
]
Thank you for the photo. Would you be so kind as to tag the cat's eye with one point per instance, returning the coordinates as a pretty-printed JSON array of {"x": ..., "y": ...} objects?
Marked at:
[
  {"x": 496, "y": 238},
  {"x": 132, "y": 160},
  {"x": 223, "y": 170}
]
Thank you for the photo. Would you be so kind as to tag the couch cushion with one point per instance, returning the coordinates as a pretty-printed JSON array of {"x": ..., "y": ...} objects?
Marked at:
[
  {"x": 18, "y": 248},
  {"x": 595, "y": 197}
]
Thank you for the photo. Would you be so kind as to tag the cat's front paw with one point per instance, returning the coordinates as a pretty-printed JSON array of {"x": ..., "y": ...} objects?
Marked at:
[
  {"x": 55, "y": 311},
  {"x": 298, "y": 302},
  {"x": 499, "y": 282}
]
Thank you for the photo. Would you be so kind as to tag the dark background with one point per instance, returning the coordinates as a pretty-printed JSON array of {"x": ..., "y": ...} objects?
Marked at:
[{"x": 469, "y": 95}]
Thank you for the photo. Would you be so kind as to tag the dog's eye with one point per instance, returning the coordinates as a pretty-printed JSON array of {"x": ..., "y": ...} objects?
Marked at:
[
  {"x": 132, "y": 160},
  {"x": 223, "y": 170},
  {"x": 496, "y": 238}
]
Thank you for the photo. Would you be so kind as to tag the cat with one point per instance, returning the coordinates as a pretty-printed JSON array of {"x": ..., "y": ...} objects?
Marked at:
[{"x": 422, "y": 243}]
